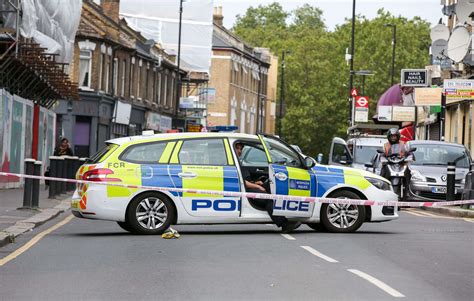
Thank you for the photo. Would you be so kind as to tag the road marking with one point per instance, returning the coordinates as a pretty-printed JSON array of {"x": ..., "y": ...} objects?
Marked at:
[
  {"x": 34, "y": 240},
  {"x": 386, "y": 288},
  {"x": 413, "y": 213},
  {"x": 318, "y": 254},
  {"x": 471, "y": 220},
  {"x": 288, "y": 236}
]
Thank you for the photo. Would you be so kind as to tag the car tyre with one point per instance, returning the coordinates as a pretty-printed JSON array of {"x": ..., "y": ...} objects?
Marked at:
[
  {"x": 342, "y": 218},
  {"x": 125, "y": 226},
  {"x": 150, "y": 213}
]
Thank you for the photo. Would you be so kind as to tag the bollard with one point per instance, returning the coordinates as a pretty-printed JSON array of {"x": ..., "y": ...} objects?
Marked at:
[
  {"x": 53, "y": 172},
  {"x": 450, "y": 182},
  {"x": 70, "y": 172},
  {"x": 61, "y": 174},
  {"x": 27, "y": 189},
  {"x": 36, "y": 185}
]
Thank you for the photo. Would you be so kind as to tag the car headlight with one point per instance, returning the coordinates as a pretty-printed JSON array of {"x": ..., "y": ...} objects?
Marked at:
[
  {"x": 380, "y": 184},
  {"x": 417, "y": 176}
]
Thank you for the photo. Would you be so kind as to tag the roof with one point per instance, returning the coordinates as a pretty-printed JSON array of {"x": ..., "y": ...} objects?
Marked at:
[
  {"x": 181, "y": 136},
  {"x": 434, "y": 142}
]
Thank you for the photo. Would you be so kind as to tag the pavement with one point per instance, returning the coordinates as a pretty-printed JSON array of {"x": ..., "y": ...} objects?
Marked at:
[
  {"x": 420, "y": 256},
  {"x": 15, "y": 221}
]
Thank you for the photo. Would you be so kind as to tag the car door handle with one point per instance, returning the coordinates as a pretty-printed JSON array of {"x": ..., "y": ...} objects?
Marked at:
[
  {"x": 259, "y": 170},
  {"x": 187, "y": 175}
]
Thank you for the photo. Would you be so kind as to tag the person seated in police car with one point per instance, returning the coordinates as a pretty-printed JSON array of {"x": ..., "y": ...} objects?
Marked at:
[{"x": 260, "y": 186}]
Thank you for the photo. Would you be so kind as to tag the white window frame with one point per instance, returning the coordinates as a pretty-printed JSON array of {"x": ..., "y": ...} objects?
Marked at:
[
  {"x": 88, "y": 57},
  {"x": 139, "y": 78},
  {"x": 115, "y": 76}
]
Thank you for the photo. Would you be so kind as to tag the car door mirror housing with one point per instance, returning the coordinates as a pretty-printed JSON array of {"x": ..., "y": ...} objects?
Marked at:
[
  {"x": 412, "y": 150},
  {"x": 380, "y": 151},
  {"x": 309, "y": 162},
  {"x": 369, "y": 165}
]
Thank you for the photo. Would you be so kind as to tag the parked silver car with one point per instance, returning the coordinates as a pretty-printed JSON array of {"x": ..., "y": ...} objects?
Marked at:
[{"x": 429, "y": 169}]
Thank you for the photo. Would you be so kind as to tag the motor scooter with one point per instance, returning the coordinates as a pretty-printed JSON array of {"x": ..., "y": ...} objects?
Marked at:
[{"x": 397, "y": 169}]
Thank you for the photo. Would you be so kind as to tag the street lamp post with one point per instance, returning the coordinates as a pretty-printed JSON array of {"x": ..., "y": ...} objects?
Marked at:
[
  {"x": 351, "y": 58},
  {"x": 282, "y": 92},
  {"x": 394, "y": 42},
  {"x": 178, "y": 82}
]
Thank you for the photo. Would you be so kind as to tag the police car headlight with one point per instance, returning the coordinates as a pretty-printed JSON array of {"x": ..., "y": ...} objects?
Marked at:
[
  {"x": 417, "y": 176},
  {"x": 380, "y": 184}
]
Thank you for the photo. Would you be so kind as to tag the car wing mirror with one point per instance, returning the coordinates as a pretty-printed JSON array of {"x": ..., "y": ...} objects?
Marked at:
[
  {"x": 309, "y": 162},
  {"x": 369, "y": 165},
  {"x": 380, "y": 151},
  {"x": 412, "y": 150}
]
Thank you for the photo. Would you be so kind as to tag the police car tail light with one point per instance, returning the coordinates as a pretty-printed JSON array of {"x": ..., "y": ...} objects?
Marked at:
[{"x": 100, "y": 175}]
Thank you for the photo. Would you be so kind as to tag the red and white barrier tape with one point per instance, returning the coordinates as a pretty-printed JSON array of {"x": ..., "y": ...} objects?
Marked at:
[{"x": 252, "y": 195}]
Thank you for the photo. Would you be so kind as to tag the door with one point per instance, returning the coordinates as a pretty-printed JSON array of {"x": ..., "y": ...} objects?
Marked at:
[
  {"x": 339, "y": 153},
  {"x": 206, "y": 164},
  {"x": 82, "y": 131},
  {"x": 288, "y": 176}
]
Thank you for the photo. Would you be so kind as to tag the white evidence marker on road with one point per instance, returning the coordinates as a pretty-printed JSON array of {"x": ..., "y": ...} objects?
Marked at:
[
  {"x": 288, "y": 236},
  {"x": 386, "y": 288},
  {"x": 319, "y": 254}
]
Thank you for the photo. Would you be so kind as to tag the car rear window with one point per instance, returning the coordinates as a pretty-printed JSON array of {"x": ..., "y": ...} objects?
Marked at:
[
  {"x": 144, "y": 152},
  {"x": 102, "y": 154}
]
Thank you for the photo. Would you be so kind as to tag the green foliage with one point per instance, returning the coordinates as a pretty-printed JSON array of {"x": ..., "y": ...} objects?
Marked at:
[{"x": 316, "y": 74}]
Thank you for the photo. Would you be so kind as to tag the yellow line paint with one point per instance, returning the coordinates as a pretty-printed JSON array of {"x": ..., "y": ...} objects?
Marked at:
[{"x": 34, "y": 240}]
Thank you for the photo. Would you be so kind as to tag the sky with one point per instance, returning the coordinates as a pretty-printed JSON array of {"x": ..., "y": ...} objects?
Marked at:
[{"x": 335, "y": 11}]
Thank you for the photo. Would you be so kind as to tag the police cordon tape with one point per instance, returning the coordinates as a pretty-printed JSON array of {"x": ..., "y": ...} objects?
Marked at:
[{"x": 251, "y": 195}]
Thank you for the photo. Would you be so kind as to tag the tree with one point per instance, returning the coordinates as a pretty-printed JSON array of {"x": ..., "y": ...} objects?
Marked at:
[{"x": 316, "y": 73}]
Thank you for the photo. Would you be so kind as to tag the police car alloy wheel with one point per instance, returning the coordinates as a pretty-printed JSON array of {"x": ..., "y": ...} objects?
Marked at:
[
  {"x": 150, "y": 213},
  {"x": 342, "y": 218}
]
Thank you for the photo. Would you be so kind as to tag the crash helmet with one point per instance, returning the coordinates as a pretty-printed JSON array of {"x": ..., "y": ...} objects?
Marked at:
[{"x": 393, "y": 136}]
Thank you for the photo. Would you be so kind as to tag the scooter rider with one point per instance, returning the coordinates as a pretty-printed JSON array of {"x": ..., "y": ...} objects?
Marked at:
[{"x": 394, "y": 146}]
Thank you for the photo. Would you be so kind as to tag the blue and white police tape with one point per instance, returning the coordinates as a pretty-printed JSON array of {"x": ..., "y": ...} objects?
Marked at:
[{"x": 251, "y": 195}]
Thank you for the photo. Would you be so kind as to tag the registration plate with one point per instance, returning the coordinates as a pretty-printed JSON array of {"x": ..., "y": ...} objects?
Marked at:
[{"x": 441, "y": 190}]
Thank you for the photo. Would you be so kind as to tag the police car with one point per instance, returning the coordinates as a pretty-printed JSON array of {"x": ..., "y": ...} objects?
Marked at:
[{"x": 208, "y": 161}]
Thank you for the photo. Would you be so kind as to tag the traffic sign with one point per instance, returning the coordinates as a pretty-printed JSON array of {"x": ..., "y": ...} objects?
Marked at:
[
  {"x": 354, "y": 92},
  {"x": 362, "y": 102}
]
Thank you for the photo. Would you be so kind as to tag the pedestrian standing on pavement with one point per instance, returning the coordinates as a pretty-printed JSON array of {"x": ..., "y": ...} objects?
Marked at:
[
  {"x": 63, "y": 149},
  {"x": 260, "y": 186}
]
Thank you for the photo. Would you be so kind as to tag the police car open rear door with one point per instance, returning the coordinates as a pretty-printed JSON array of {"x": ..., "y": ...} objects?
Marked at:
[{"x": 288, "y": 176}]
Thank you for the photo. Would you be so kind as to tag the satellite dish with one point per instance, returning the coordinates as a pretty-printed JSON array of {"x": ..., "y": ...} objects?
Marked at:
[
  {"x": 438, "y": 49},
  {"x": 463, "y": 9},
  {"x": 439, "y": 32},
  {"x": 458, "y": 44}
]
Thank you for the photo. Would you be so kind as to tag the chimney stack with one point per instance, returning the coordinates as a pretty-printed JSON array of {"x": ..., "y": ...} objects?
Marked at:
[
  {"x": 217, "y": 16},
  {"x": 111, "y": 9}
]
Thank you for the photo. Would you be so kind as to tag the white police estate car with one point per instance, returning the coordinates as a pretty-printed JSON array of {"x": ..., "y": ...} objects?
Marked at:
[{"x": 208, "y": 161}]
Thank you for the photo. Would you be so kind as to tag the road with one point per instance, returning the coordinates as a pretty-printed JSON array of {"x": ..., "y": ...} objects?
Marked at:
[{"x": 420, "y": 256}]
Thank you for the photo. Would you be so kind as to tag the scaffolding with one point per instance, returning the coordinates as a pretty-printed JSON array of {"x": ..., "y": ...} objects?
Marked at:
[{"x": 26, "y": 68}]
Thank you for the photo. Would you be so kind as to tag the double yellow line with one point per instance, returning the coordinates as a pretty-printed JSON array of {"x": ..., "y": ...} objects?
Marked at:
[{"x": 34, "y": 241}]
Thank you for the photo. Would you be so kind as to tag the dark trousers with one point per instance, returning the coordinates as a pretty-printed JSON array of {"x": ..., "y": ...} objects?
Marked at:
[{"x": 278, "y": 220}]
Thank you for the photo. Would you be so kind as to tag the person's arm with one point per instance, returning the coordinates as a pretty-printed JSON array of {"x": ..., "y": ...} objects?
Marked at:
[{"x": 254, "y": 186}]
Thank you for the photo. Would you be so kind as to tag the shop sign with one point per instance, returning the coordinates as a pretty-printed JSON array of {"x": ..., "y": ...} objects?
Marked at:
[
  {"x": 194, "y": 128},
  {"x": 153, "y": 121},
  {"x": 165, "y": 123},
  {"x": 458, "y": 89},
  {"x": 428, "y": 96},
  {"x": 403, "y": 113},
  {"x": 414, "y": 78},
  {"x": 186, "y": 103},
  {"x": 384, "y": 113}
]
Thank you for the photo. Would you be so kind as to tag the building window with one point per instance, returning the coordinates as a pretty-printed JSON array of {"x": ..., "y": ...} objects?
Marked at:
[
  {"x": 132, "y": 78},
  {"x": 165, "y": 89},
  {"x": 139, "y": 78},
  {"x": 122, "y": 84},
  {"x": 101, "y": 69},
  {"x": 115, "y": 73},
  {"x": 85, "y": 68},
  {"x": 158, "y": 86},
  {"x": 107, "y": 75},
  {"x": 147, "y": 78}
]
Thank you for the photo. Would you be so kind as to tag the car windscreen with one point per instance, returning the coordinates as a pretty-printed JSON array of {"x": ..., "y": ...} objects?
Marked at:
[
  {"x": 364, "y": 153},
  {"x": 440, "y": 155}
]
